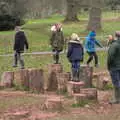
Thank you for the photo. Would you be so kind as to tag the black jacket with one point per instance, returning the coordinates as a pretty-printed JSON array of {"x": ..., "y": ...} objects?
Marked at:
[
  {"x": 75, "y": 52},
  {"x": 20, "y": 42}
]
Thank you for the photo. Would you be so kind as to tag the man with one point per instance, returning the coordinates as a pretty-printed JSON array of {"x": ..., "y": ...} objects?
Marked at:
[
  {"x": 57, "y": 41},
  {"x": 90, "y": 43},
  {"x": 75, "y": 55},
  {"x": 19, "y": 44},
  {"x": 113, "y": 63}
]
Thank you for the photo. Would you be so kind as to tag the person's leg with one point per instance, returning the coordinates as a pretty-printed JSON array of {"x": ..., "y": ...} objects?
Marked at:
[
  {"x": 96, "y": 59},
  {"x": 90, "y": 57},
  {"x": 21, "y": 60},
  {"x": 73, "y": 71},
  {"x": 57, "y": 56},
  {"x": 77, "y": 70},
  {"x": 15, "y": 59},
  {"x": 115, "y": 75}
]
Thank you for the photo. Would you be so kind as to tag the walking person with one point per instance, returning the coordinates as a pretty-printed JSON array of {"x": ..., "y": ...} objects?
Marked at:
[
  {"x": 75, "y": 55},
  {"x": 113, "y": 64},
  {"x": 90, "y": 44},
  {"x": 57, "y": 41},
  {"x": 20, "y": 43}
]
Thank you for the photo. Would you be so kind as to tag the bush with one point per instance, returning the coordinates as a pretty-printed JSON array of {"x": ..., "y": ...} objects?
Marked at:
[{"x": 8, "y": 22}]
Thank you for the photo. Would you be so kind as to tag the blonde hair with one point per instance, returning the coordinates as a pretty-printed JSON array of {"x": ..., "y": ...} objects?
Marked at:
[{"x": 74, "y": 36}]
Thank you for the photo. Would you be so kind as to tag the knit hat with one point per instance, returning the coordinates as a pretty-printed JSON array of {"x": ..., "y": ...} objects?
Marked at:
[
  {"x": 117, "y": 33},
  {"x": 92, "y": 34}
]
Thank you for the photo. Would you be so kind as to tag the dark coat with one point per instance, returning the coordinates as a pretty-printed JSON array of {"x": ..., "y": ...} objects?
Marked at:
[
  {"x": 75, "y": 52},
  {"x": 57, "y": 40},
  {"x": 20, "y": 42},
  {"x": 113, "y": 60}
]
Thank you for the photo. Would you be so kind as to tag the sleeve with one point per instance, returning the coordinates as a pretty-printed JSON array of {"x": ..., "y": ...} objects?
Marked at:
[
  {"x": 52, "y": 37},
  {"x": 25, "y": 41},
  {"x": 15, "y": 42},
  {"x": 82, "y": 53},
  {"x": 69, "y": 50},
  {"x": 98, "y": 43},
  {"x": 111, "y": 54}
]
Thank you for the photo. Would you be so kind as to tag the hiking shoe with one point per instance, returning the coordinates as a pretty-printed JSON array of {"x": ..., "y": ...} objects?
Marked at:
[{"x": 14, "y": 66}]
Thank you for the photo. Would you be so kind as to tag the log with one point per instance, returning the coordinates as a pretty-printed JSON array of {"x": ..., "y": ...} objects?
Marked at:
[
  {"x": 91, "y": 93},
  {"x": 53, "y": 70},
  {"x": 36, "y": 80},
  {"x": 62, "y": 79},
  {"x": 7, "y": 79},
  {"x": 74, "y": 87},
  {"x": 21, "y": 78},
  {"x": 86, "y": 75},
  {"x": 79, "y": 98},
  {"x": 53, "y": 104}
]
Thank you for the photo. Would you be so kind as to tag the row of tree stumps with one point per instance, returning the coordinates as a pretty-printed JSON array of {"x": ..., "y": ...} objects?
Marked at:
[{"x": 57, "y": 81}]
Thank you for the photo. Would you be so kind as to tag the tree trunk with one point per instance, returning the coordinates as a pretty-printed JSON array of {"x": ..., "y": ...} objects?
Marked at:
[
  {"x": 72, "y": 10},
  {"x": 94, "y": 19}
]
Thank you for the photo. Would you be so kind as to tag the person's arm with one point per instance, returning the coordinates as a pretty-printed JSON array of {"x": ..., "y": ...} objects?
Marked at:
[
  {"x": 25, "y": 41},
  {"x": 69, "y": 50},
  {"x": 98, "y": 43},
  {"x": 111, "y": 54}
]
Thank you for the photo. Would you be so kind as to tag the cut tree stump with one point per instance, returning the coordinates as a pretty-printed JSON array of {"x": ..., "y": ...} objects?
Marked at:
[
  {"x": 21, "y": 78},
  {"x": 62, "y": 79},
  {"x": 86, "y": 75},
  {"x": 54, "y": 104},
  {"x": 91, "y": 93},
  {"x": 7, "y": 79},
  {"x": 79, "y": 98},
  {"x": 74, "y": 87},
  {"x": 53, "y": 70},
  {"x": 36, "y": 80}
]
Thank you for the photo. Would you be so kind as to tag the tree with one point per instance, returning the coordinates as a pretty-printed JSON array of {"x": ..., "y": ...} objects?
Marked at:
[
  {"x": 72, "y": 10},
  {"x": 95, "y": 15}
]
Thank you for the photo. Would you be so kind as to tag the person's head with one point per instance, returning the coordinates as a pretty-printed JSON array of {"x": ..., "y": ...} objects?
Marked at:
[
  {"x": 92, "y": 34},
  {"x": 58, "y": 26},
  {"x": 117, "y": 34},
  {"x": 17, "y": 28},
  {"x": 74, "y": 36},
  {"x": 110, "y": 37}
]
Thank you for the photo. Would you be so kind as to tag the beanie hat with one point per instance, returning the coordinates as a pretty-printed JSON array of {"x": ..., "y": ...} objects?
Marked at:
[{"x": 92, "y": 34}]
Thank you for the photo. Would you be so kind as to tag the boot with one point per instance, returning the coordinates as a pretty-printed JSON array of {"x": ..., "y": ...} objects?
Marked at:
[
  {"x": 116, "y": 99},
  {"x": 73, "y": 75}
]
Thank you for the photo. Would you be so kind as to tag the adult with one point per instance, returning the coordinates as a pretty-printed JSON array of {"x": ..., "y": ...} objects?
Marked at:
[{"x": 113, "y": 63}]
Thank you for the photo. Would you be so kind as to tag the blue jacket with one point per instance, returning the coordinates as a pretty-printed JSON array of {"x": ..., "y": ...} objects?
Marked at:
[
  {"x": 75, "y": 52},
  {"x": 90, "y": 43}
]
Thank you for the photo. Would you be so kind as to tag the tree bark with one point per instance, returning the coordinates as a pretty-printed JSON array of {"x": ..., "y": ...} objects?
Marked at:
[
  {"x": 72, "y": 10},
  {"x": 94, "y": 19}
]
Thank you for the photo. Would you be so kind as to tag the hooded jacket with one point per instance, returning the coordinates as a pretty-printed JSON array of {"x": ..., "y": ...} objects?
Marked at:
[
  {"x": 90, "y": 42},
  {"x": 113, "y": 59},
  {"x": 75, "y": 51}
]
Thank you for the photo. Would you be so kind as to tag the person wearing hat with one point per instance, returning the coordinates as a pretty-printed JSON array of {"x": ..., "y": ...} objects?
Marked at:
[
  {"x": 75, "y": 54},
  {"x": 113, "y": 64},
  {"x": 90, "y": 44},
  {"x": 57, "y": 41},
  {"x": 20, "y": 43}
]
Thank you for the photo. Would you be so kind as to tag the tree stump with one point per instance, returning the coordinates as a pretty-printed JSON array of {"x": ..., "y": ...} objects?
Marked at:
[
  {"x": 91, "y": 93},
  {"x": 21, "y": 78},
  {"x": 62, "y": 79},
  {"x": 53, "y": 69},
  {"x": 53, "y": 104},
  {"x": 36, "y": 80},
  {"x": 79, "y": 98},
  {"x": 85, "y": 74},
  {"x": 74, "y": 87},
  {"x": 7, "y": 79}
]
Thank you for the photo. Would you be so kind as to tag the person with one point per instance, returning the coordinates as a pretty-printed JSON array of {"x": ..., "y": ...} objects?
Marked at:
[
  {"x": 75, "y": 55},
  {"x": 113, "y": 64},
  {"x": 20, "y": 43},
  {"x": 57, "y": 41},
  {"x": 90, "y": 43},
  {"x": 110, "y": 40}
]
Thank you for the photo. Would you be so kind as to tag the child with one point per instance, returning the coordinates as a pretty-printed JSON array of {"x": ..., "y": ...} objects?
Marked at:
[{"x": 75, "y": 55}]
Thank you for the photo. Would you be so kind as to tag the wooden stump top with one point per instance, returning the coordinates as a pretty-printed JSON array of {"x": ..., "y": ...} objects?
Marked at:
[{"x": 81, "y": 83}]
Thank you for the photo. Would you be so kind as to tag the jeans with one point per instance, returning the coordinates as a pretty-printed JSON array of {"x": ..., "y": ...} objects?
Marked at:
[
  {"x": 115, "y": 75},
  {"x": 91, "y": 55},
  {"x": 18, "y": 57}
]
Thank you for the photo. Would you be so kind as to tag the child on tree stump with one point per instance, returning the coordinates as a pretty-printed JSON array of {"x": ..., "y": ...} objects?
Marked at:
[
  {"x": 75, "y": 55},
  {"x": 57, "y": 41}
]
